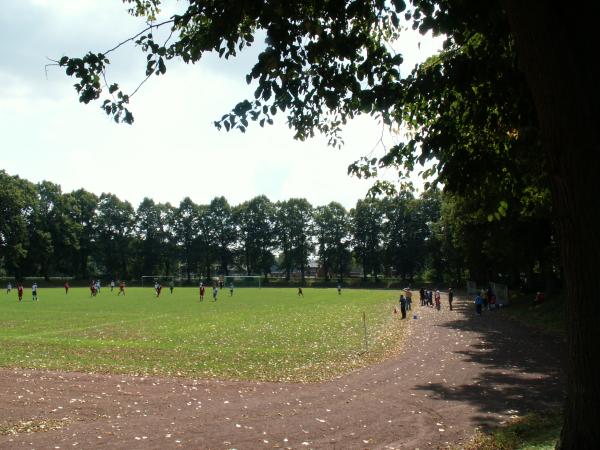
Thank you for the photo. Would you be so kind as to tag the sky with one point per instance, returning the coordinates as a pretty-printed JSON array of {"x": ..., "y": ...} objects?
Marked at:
[{"x": 173, "y": 149}]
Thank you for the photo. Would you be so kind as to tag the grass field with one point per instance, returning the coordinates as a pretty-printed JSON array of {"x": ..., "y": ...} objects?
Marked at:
[{"x": 258, "y": 334}]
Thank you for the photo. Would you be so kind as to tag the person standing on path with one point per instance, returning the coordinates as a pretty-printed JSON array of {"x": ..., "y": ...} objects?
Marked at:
[
  {"x": 478, "y": 304},
  {"x": 450, "y": 297},
  {"x": 403, "y": 306},
  {"x": 438, "y": 298},
  {"x": 408, "y": 299}
]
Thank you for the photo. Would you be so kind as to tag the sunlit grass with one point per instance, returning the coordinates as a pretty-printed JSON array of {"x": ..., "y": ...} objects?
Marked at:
[{"x": 258, "y": 334}]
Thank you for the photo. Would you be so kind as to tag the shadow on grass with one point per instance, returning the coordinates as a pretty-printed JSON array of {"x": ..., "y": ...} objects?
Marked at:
[
  {"x": 533, "y": 431},
  {"x": 521, "y": 368}
]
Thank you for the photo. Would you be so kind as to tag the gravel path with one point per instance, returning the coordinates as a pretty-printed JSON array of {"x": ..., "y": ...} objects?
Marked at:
[{"x": 456, "y": 373}]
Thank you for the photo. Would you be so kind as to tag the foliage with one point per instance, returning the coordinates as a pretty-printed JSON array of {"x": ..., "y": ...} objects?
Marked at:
[
  {"x": 332, "y": 232},
  {"x": 368, "y": 235}
]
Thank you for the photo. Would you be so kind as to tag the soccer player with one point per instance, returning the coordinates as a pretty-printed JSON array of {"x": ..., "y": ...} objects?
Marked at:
[
  {"x": 112, "y": 285},
  {"x": 408, "y": 293},
  {"x": 478, "y": 304},
  {"x": 158, "y": 289},
  {"x": 339, "y": 288},
  {"x": 92, "y": 288},
  {"x": 121, "y": 288},
  {"x": 201, "y": 292},
  {"x": 97, "y": 286},
  {"x": 8, "y": 288},
  {"x": 171, "y": 286},
  {"x": 67, "y": 287},
  {"x": 300, "y": 293},
  {"x": 402, "y": 302},
  {"x": 20, "y": 291},
  {"x": 215, "y": 293},
  {"x": 34, "y": 293},
  {"x": 231, "y": 289}
]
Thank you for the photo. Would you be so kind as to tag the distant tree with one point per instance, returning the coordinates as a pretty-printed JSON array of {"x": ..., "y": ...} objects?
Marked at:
[
  {"x": 282, "y": 232},
  {"x": 255, "y": 219},
  {"x": 115, "y": 231},
  {"x": 169, "y": 247},
  {"x": 220, "y": 217},
  {"x": 205, "y": 244},
  {"x": 84, "y": 212},
  {"x": 16, "y": 199},
  {"x": 367, "y": 223},
  {"x": 406, "y": 232},
  {"x": 186, "y": 229},
  {"x": 56, "y": 218},
  {"x": 332, "y": 232},
  {"x": 150, "y": 233},
  {"x": 300, "y": 223}
]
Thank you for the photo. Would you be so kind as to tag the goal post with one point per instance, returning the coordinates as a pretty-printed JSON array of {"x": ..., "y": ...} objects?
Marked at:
[{"x": 243, "y": 280}]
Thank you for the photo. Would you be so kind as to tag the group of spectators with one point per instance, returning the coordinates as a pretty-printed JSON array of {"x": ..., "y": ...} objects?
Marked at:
[
  {"x": 485, "y": 300},
  {"x": 427, "y": 298}
]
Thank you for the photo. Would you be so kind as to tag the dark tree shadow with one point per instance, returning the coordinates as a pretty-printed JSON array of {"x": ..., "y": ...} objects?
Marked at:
[{"x": 522, "y": 367}]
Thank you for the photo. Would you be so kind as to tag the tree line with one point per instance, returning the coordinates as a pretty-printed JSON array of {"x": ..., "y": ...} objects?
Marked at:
[{"x": 436, "y": 236}]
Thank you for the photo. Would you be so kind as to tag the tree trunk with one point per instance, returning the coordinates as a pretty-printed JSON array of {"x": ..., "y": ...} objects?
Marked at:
[{"x": 557, "y": 48}]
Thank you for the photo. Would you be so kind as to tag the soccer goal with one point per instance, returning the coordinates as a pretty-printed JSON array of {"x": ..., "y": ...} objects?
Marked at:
[
  {"x": 149, "y": 280},
  {"x": 244, "y": 280}
]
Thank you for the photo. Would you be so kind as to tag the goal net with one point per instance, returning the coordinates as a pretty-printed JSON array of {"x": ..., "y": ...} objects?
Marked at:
[
  {"x": 243, "y": 280},
  {"x": 501, "y": 291}
]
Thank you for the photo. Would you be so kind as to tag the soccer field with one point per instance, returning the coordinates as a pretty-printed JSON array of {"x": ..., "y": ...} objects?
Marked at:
[{"x": 258, "y": 334}]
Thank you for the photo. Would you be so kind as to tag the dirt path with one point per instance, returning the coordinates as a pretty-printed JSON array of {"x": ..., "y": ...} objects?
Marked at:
[{"x": 456, "y": 373}]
